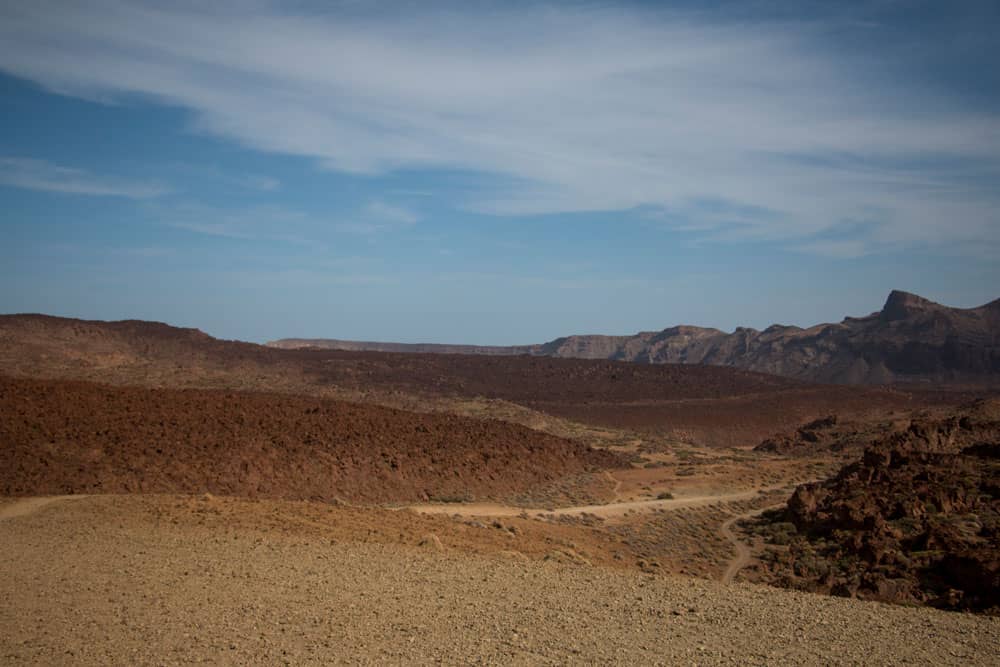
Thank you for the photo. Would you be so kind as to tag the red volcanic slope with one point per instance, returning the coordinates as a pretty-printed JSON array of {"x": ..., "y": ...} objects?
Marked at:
[{"x": 60, "y": 437}]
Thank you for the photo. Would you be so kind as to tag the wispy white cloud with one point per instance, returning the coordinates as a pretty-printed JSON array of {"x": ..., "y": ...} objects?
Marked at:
[
  {"x": 259, "y": 223},
  {"x": 144, "y": 252},
  {"x": 282, "y": 224},
  {"x": 390, "y": 214},
  {"x": 574, "y": 109},
  {"x": 218, "y": 177},
  {"x": 548, "y": 282},
  {"x": 255, "y": 182},
  {"x": 304, "y": 278},
  {"x": 838, "y": 249},
  {"x": 377, "y": 217},
  {"x": 31, "y": 174}
]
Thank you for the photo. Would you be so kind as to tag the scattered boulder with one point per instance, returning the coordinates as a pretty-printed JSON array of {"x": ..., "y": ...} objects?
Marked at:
[{"x": 432, "y": 541}]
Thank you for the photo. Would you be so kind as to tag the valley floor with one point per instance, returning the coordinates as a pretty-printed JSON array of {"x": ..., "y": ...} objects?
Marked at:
[{"x": 178, "y": 580}]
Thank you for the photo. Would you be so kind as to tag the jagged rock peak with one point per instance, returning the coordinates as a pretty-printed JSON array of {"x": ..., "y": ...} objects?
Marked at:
[{"x": 903, "y": 304}]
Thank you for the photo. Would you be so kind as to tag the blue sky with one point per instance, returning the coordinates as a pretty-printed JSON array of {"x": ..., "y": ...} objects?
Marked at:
[{"x": 495, "y": 172}]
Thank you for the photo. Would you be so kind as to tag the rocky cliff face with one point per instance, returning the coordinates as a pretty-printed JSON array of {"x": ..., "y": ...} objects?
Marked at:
[{"x": 910, "y": 339}]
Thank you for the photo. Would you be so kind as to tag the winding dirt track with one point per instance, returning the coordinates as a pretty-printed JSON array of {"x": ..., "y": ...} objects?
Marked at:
[
  {"x": 609, "y": 510},
  {"x": 28, "y": 506},
  {"x": 742, "y": 557},
  {"x": 617, "y": 482}
]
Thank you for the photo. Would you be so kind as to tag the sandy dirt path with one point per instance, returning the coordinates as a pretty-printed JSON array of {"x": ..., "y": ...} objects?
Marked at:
[
  {"x": 26, "y": 506},
  {"x": 616, "y": 491},
  {"x": 742, "y": 557},
  {"x": 608, "y": 510}
]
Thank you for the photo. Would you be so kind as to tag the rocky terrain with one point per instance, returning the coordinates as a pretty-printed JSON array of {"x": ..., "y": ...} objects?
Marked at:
[
  {"x": 910, "y": 339},
  {"x": 915, "y": 520},
  {"x": 61, "y": 437},
  {"x": 706, "y": 405},
  {"x": 155, "y": 580},
  {"x": 831, "y": 434}
]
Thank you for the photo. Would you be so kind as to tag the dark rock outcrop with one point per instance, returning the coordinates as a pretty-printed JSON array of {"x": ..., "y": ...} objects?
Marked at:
[{"x": 915, "y": 520}]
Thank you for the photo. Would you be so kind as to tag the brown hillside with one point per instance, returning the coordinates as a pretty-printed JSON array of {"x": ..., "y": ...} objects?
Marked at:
[
  {"x": 59, "y": 437},
  {"x": 712, "y": 405},
  {"x": 52, "y": 347}
]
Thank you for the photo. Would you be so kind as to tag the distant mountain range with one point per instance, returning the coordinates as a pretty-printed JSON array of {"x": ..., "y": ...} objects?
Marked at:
[{"x": 910, "y": 339}]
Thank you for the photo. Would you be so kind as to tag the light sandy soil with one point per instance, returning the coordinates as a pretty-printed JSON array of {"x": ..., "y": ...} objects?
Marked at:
[
  {"x": 26, "y": 506},
  {"x": 128, "y": 580},
  {"x": 743, "y": 551},
  {"x": 607, "y": 510}
]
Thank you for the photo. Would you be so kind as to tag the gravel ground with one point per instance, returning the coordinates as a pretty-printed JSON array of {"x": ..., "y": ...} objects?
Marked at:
[{"x": 98, "y": 581}]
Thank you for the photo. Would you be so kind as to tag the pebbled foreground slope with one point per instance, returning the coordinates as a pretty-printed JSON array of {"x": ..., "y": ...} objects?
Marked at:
[{"x": 105, "y": 581}]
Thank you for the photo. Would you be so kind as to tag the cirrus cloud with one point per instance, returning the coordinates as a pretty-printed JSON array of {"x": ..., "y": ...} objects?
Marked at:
[
  {"x": 569, "y": 109},
  {"x": 31, "y": 174}
]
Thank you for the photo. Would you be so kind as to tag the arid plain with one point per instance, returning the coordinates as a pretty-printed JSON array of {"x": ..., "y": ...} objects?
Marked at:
[{"x": 172, "y": 498}]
